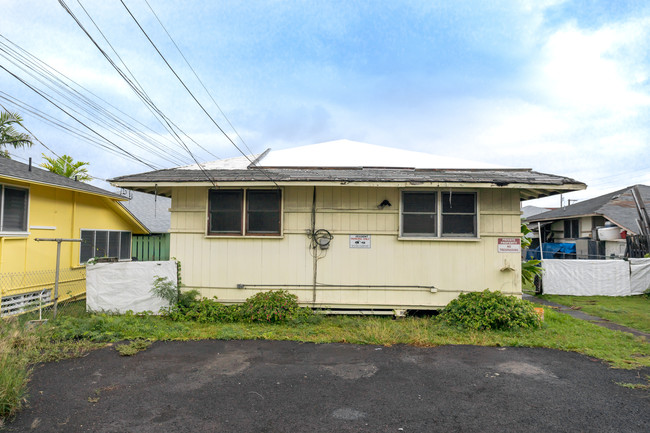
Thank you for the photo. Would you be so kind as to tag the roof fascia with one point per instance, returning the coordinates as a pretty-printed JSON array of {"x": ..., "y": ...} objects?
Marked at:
[
  {"x": 541, "y": 188},
  {"x": 565, "y": 217},
  {"x": 35, "y": 182}
]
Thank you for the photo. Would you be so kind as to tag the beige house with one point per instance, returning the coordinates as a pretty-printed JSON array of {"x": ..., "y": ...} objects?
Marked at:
[{"x": 348, "y": 225}]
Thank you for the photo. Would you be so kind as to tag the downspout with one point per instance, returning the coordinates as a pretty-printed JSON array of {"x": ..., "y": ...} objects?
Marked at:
[{"x": 313, "y": 246}]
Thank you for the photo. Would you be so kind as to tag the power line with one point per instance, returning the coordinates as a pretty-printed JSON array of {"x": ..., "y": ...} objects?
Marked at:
[
  {"x": 194, "y": 97},
  {"x": 197, "y": 77},
  {"x": 55, "y": 81},
  {"x": 143, "y": 97},
  {"x": 79, "y": 121}
]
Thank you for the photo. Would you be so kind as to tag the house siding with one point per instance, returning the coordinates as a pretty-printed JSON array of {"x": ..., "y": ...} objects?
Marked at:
[
  {"x": 216, "y": 265},
  {"x": 68, "y": 212}
]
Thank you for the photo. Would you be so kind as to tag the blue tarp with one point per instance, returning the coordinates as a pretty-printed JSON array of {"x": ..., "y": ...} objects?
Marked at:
[{"x": 550, "y": 251}]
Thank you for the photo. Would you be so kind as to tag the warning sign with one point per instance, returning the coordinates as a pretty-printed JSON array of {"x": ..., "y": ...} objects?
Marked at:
[
  {"x": 509, "y": 245},
  {"x": 359, "y": 241}
]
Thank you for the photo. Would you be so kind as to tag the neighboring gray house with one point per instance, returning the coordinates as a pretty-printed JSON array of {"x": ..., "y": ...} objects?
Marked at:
[
  {"x": 153, "y": 212},
  {"x": 608, "y": 218}
]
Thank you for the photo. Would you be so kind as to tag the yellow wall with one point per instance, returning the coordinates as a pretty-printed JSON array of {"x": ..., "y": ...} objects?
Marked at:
[
  {"x": 216, "y": 265},
  {"x": 68, "y": 212}
]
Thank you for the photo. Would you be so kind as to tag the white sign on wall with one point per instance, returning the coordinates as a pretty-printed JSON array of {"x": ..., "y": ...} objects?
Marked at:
[
  {"x": 509, "y": 245},
  {"x": 359, "y": 241}
]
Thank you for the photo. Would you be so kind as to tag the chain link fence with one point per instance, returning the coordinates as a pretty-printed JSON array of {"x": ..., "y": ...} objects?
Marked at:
[{"x": 33, "y": 293}]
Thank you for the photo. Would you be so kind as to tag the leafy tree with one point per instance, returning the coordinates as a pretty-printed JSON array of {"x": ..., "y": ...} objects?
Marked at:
[
  {"x": 8, "y": 134},
  {"x": 65, "y": 166}
]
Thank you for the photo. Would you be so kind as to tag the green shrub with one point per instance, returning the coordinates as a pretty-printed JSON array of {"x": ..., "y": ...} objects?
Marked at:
[
  {"x": 165, "y": 289},
  {"x": 204, "y": 310},
  {"x": 273, "y": 306},
  {"x": 490, "y": 310}
]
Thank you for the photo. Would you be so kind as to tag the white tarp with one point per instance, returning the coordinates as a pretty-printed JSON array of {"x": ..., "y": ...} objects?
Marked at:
[
  {"x": 586, "y": 277},
  {"x": 639, "y": 275},
  {"x": 119, "y": 287}
]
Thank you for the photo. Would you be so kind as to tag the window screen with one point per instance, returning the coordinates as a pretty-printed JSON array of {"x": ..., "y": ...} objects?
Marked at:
[
  {"x": 125, "y": 245},
  {"x": 263, "y": 211},
  {"x": 419, "y": 213},
  {"x": 104, "y": 243},
  {"x": 571, "y": 229},
  {"x": 14, "y": 210},
  {"x": 458, "y": 214},
  {"x": 225, "y": 211}
]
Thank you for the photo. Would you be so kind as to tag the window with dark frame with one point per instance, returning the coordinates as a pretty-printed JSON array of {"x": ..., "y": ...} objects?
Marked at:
[
  {"x": 13, "y": 211},
  {"x": 263, "y": 211},
  {"x": 571, "y": 229},
  {"x": 225, "y": 211},
  {"x": 105, "y": 243},
  {"x": 250, "y": 212},
  {"x": 458, "y": 214},
  {"x": 432, "y": 214},
  {"x": 419, "y": 213}
]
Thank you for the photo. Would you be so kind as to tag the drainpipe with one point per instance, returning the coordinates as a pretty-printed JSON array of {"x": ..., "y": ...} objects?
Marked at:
[{"x": 312, "y": 245}]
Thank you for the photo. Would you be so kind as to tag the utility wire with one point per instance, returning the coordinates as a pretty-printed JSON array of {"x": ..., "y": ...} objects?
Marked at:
[
  {"x": 194, "y": 97},
  {"x": 79, "y": 121},
  {"x": 130, "y": 83},
  {"x": 197, "y": 77},
  {"x": 139, "y": 89},
  {"x": 96, "y": 111}
]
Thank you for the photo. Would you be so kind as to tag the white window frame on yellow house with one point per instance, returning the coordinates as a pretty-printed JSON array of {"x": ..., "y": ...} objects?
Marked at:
[
  {"x": 11, "y": 232},
  {"x": 108, "y": 242},
  {"x": 438, "y": 213},
  {"x": 245, "y": 214}
]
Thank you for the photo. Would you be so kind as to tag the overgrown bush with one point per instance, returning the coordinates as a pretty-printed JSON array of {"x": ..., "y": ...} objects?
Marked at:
[
  {"x": 490, "y": 310},
  {"x": 14, "y": 370},
  {"x": 165, "y": 289},
  {"x": 272, "y": 306},
  {"x": 204, "y": 310}
]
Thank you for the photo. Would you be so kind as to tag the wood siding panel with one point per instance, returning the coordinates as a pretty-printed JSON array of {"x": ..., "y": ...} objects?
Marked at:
[{"x": 394, "y": 267}]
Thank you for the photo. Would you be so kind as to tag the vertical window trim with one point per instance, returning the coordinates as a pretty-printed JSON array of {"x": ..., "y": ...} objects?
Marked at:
[
  {"x": 3, "y": 232},
  {"x": 244, "y": 214},
  {"x": 439, "y": 214}
]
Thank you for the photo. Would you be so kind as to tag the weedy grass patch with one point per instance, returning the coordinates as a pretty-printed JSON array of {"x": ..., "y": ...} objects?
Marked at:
[{"x": 632, "y": 311}]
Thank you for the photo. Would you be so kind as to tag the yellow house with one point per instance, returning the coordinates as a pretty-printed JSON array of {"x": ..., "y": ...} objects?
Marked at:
[
  {"x": 347, "y": 225},
  {"x": 36, "y": 203}
]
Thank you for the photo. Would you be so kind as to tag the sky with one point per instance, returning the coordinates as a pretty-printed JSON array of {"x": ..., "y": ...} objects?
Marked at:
[{"x": 561, "y": 87}]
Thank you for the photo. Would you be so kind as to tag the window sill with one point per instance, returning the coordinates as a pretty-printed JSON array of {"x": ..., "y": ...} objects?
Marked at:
[
  {"x": 244, "y": 236},
  {"x": 445, "y": 239},
  {"x": 14, "y": 234}
]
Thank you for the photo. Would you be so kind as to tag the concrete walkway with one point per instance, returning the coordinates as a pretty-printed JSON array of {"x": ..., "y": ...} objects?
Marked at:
[{"x": 583, "y": 316}]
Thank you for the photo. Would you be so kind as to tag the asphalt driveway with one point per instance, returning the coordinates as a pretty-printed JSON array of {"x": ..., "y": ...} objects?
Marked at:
[{"x": 266, "y": 386}]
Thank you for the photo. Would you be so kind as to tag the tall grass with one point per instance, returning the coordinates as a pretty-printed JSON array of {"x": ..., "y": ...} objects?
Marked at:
[{"x": 14, "y": 370}]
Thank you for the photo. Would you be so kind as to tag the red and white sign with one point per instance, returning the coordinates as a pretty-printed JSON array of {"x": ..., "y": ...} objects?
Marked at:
[{"x": 509, "y": 245}]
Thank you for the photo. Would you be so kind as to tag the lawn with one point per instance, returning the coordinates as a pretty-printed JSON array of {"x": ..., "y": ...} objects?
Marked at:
[{"x": 632, "y": 311}]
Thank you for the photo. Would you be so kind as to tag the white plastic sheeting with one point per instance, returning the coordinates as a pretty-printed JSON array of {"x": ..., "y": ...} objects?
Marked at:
[
  {"x": 639, "y": 275},
  {"x": 119, "y": 287},
  {"x": 586, "y": 277}
]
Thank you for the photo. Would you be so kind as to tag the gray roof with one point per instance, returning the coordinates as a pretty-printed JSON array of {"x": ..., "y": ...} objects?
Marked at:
[
  {"x": 529, "y": 211},
  {"x": 499, "y": 177},
  {"x": 617, "y": 206},
  {"x": 19, "y": 171},
  {"x": 150, "y": 210}
]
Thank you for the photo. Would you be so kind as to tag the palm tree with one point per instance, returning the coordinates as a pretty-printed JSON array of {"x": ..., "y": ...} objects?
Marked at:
[
  {"x": 65, "y": 166},
  {"x": 8, "y": 135}
]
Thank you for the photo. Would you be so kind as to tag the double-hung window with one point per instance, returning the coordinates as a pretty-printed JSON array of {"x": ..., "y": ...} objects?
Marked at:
[
  {"x": 105, "y": 243},
  {"x": 435, "y": 214},
  {"x": 13, "y": 209},
  {"x": 245, "y": 212}
]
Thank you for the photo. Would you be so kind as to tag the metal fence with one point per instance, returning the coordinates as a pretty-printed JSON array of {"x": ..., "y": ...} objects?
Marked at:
[{"x": 33, "y": 293}]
